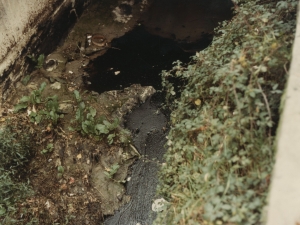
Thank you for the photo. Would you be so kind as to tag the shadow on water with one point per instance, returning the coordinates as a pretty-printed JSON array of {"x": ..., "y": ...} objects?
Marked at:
[{"x": 137, "y": 57}]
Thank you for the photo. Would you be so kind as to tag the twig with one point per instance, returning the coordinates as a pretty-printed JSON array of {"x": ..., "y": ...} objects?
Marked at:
[
  {"x": 135, "y": 150},
  {"x": 268, "y": 107},
  {"x": 237, "y": 100},
  {"x": 266, "y": 100}
]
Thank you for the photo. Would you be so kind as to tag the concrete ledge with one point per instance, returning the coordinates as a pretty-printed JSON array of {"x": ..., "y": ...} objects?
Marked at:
[
  {"x": 31, "y": 27},
  {"x": 284, "y": 197}
]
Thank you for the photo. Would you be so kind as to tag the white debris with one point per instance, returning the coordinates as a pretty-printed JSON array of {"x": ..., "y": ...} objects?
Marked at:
[
  {"x": 47, "y": 204},
  {"x": 56, "y": 86},
  {"x": 120, "y": 16},
  {"x": 117, "y": 72},
  {"x": 159, "y": 205}
]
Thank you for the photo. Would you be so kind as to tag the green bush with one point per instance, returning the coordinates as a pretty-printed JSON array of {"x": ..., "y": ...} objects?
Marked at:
[
  {"x": 15, "y": 152},
  {"x": 221, "y": 143}
]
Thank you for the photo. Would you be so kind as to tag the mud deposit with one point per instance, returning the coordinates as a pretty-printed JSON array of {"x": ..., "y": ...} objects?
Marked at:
[{"x": 148, "y": 124}]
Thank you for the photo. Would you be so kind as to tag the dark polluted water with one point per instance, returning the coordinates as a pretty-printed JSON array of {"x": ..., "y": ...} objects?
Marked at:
[{"x": 138, "y": 57}]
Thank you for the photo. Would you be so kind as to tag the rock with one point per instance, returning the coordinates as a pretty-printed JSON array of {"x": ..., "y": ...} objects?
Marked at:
[
  {"x": 51, "y": 64},
  {"x": 66, "y": 107},
  {"x": 146, "y": 93},
  {"x": 159, "y": 205},
  {"x": 56, "y": 86}
]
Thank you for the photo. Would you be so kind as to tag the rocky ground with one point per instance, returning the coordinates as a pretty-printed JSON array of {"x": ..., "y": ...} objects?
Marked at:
[{"x": 75, "y": 173}]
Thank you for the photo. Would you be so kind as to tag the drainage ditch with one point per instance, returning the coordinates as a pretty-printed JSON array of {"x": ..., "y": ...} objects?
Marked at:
[{"x": 138, "y": 57}]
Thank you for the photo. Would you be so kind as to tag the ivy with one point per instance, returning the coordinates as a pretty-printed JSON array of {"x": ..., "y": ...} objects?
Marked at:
[{"x": 221, "y": 143}]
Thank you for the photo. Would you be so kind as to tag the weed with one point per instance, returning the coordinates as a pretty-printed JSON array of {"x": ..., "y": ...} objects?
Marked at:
[
  {"x": 221, "y": 142},
  {"x": 15, "y": 152},
  {"x": 33, "y": 99},
  {"x": 49, "y": 148},
  {"x": 50, "y": 106},
  {"x": 88, "y": 124},
  {"x": 110, "y": 172},
  {"x": 39, "y": 61},
  {"x": 60, "y": 171},
  {"x": 51, "y": 111},
  {"x": 26, "y": 79}
]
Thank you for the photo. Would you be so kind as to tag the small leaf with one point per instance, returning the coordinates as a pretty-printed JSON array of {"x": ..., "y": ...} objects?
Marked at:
[
  {"x": 93, "y": 111},
  {"x": 82, "y": 105},
  {"x": 25, "y": 80},
  {"x": 60, "y": 169},
  {"x": 42, "y": 87},
  {"x": 263, "y": 69},
  {"x": 77, "y": 95},
  {"x": 102, "y": 129},
  {"x": 71, "y": 129},
  {"x": 18, "y": 107},
  {"x": 24, "y": 99}
]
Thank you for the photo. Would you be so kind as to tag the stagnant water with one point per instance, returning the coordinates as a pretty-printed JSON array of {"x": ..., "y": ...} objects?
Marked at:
[{"x": 138, "y": 57}]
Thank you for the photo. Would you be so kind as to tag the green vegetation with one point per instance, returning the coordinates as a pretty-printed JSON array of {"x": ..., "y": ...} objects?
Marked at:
[
  {"x": 60, "y": 172},
  {"x": 26, "y": 79},
  {"x": 221, "y": 143},
  {"x": 39, "y": 61},
  {"x": 49, "y": 148},
  {"x": 112, "y": 170},
  {"x": 50, "y": 106},
  {"x": 15, "y": 152},
  {"x": 33, "y": 99},
  {"x": 87, "y": 123}
]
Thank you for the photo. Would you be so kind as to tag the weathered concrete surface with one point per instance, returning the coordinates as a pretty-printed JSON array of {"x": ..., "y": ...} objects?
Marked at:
[
  {"x": 31, "y": 27},
  {"x": 284, "y": 198}
]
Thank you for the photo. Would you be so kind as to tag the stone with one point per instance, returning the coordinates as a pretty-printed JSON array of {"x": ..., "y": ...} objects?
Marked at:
[
  {"x": 56, "y": 86},
  {"x": 66, "y": 107}
]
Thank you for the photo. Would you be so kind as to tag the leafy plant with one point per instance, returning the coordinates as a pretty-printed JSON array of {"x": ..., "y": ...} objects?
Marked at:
[
  {"x": 50, "y": 106},
  {"x": 33, "y": 99},
  {"x": 112, "y": 170},
  {"x": 39, "y": 61},
  {"x": 51, "y": 111},
  {"x": 221, "y": 143},
  {"x": 49, "y": 148},
  {"x": 60, "y": 171},
  {"x": 15, "y": 152},
  {"x": 26, "y": 79},
  {"x": 15, "y": 148},
  {"x": 88, "y": 124}
]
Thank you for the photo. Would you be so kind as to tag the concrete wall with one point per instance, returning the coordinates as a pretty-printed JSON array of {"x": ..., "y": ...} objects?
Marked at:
[
  {"x": 284, "y": 197},
  {"x": 30, "y": 27}
]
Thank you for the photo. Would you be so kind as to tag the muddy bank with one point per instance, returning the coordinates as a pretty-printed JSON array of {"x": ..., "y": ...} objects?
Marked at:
[{"x": 148, "y": 125}]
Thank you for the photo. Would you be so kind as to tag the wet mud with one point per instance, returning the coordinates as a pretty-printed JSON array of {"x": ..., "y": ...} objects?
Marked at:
[{"x": 148, "y": 124}]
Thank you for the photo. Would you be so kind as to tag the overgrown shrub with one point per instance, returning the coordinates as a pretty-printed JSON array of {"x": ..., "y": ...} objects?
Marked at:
[
  {"x": 15, "y": 152},
  {"x": 221, "y": 143}
]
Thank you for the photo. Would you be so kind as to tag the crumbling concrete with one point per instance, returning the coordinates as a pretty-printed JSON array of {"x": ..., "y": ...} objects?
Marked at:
[{"x": 31, "y": 28}]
